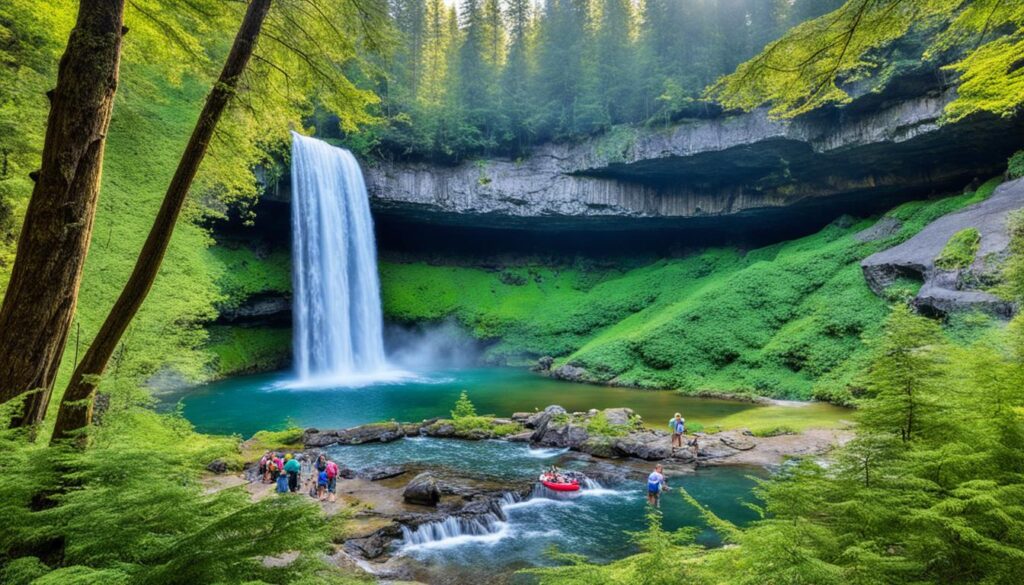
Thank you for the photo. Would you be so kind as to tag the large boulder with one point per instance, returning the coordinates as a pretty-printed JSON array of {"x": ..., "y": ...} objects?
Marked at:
[
  {"x": 649, "y": 445},
  {"x": 370, "y": 547},
  {"x": 618, "y": 416},
  {"x": 560, "y": 435},
  {"x": 371, "y": 433},
  {"x": 544, "y": 364},
  {"x": 600, "y": 447},
  {"x": 522, "y": 418},
  {"x": 540, "y": 419},
  {"x": 217, "y": 466},
  {"x": 440, "y": 429},
  {"x": 422, "y": 490},
  {"x": 947, "y": 291},
  {"x": 571, "y": 373}
]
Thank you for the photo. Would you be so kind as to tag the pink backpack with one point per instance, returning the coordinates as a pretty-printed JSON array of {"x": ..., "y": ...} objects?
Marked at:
[{"x": 332, "y": 470}]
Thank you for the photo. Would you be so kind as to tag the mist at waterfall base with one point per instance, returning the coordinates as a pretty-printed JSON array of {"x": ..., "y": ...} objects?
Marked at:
[{"x": 593, "y": 522}]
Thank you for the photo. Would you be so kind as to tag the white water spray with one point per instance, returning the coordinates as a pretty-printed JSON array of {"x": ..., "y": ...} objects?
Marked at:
[
  {"x": 453, "y": 531},
  {"x": 338, "y": 323}
]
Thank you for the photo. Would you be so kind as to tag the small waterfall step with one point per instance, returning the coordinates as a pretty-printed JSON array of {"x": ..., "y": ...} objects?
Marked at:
[{"x": 492, "y": 522}]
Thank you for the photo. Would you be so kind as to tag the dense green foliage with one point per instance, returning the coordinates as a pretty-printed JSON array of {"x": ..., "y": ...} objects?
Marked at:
[
  {"x": 1015, "y": 168},
  {"x": 785, "y": 320},
  {"x": 133, "y": 509},
  {"x": 1013, "y": 283},
  {"x": 498, "y": 77},
  {"x": 170, "y": 59},
  {"x": 930, "y": 490},
  {"x": 816, "y": 63},
  {"x": 960, "y": 250}
]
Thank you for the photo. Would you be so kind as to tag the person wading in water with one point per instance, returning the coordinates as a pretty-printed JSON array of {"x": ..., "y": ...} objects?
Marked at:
[{"x": 655, "y": 485}]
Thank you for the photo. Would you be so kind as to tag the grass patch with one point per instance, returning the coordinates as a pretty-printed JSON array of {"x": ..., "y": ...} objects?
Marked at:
[
  {"x": 773, "y": 431},
  {"x": 960, "y": 250},
  {"x": 767, "y": 419}
]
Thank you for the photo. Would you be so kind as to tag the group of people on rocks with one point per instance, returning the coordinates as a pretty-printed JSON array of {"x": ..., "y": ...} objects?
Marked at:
[{"x": 290, "y": 473}]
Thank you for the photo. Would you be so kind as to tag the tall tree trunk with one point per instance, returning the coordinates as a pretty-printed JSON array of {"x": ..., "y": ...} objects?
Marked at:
[
  {"x": 43, "y": 290},
  {"x": 76, "y": 407}
]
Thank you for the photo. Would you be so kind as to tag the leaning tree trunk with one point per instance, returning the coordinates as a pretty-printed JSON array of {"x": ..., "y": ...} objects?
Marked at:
[
  {"x": 41, "y": 295},
  {"x": 76, "y": 406}
]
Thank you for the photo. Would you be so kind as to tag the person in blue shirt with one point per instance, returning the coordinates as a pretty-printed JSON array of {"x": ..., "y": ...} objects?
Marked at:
[
  {"x": 655, "y": 485},
  {"x": 678, "y": 426}
]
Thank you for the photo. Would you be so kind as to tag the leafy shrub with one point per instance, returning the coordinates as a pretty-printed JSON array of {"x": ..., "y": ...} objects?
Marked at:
[
  {"x": 902, "y": 290},
  {"x": 960, "y": 250},
  {"x": 1015, "y": 166},
  {"x": 599, "y": 425}
]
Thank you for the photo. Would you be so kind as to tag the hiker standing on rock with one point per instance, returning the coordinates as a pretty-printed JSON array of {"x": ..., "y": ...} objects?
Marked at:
[{"x": 678, "y": 426}]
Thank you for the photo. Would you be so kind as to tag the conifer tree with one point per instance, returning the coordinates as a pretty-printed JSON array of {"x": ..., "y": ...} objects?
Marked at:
[
  {"x": 616, "y": 62},
  {"x": 515, "y": 82},
  {"x": 903, "y": 379}
]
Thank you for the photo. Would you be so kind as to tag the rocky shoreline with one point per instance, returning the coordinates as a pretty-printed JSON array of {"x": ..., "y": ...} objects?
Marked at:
[
  {"x": 408, "y": 503},
  {"x": 612, "y": 433}
]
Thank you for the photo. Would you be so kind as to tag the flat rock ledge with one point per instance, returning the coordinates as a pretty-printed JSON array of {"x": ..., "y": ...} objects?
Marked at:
[
  {"x": 613, "y": 433},
  {"x": 947, "y": 291}
]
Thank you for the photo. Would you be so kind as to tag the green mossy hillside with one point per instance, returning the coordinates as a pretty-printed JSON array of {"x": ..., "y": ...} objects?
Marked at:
[
  {"x": 241, "y": 272},
  {"x": 784, "y": 321},
  {"x": 246, "y": 350}
]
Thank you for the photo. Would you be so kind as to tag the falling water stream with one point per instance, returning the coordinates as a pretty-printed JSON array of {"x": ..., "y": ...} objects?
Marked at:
[{"x": 338, "y": 329}]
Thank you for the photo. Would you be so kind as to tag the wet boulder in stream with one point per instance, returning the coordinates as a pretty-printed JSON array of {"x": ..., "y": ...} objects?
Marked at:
[
  {"x": 422, "y": 490},
  {"x": 371, "y": 433},
  {"x": 649, "y": 445}
]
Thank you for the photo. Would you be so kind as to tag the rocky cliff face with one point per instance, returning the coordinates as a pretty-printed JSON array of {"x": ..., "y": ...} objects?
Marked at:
[
  {"x": 943, "y": 290},
  {"x": 859, "y": 159}
]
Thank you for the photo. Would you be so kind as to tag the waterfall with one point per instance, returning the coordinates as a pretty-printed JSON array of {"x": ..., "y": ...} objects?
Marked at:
[{"x": 338, "y": 329}]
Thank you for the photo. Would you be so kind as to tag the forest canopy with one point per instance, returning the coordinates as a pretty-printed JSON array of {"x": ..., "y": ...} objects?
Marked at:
[{"x": 494, "y": 78}]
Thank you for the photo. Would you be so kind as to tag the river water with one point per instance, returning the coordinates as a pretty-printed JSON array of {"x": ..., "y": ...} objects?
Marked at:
[
  {"x": 247, "y": 404},
  {"x": 596, "y": 522}
]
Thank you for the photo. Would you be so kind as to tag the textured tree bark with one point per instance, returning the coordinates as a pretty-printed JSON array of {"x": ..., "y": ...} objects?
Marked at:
[
  {"x": 76, "y": 406},
  {"x": 43, "y": 291}
]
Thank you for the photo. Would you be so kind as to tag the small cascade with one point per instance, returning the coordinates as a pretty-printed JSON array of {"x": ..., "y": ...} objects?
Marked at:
[{"x": 458, "y": 528}]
